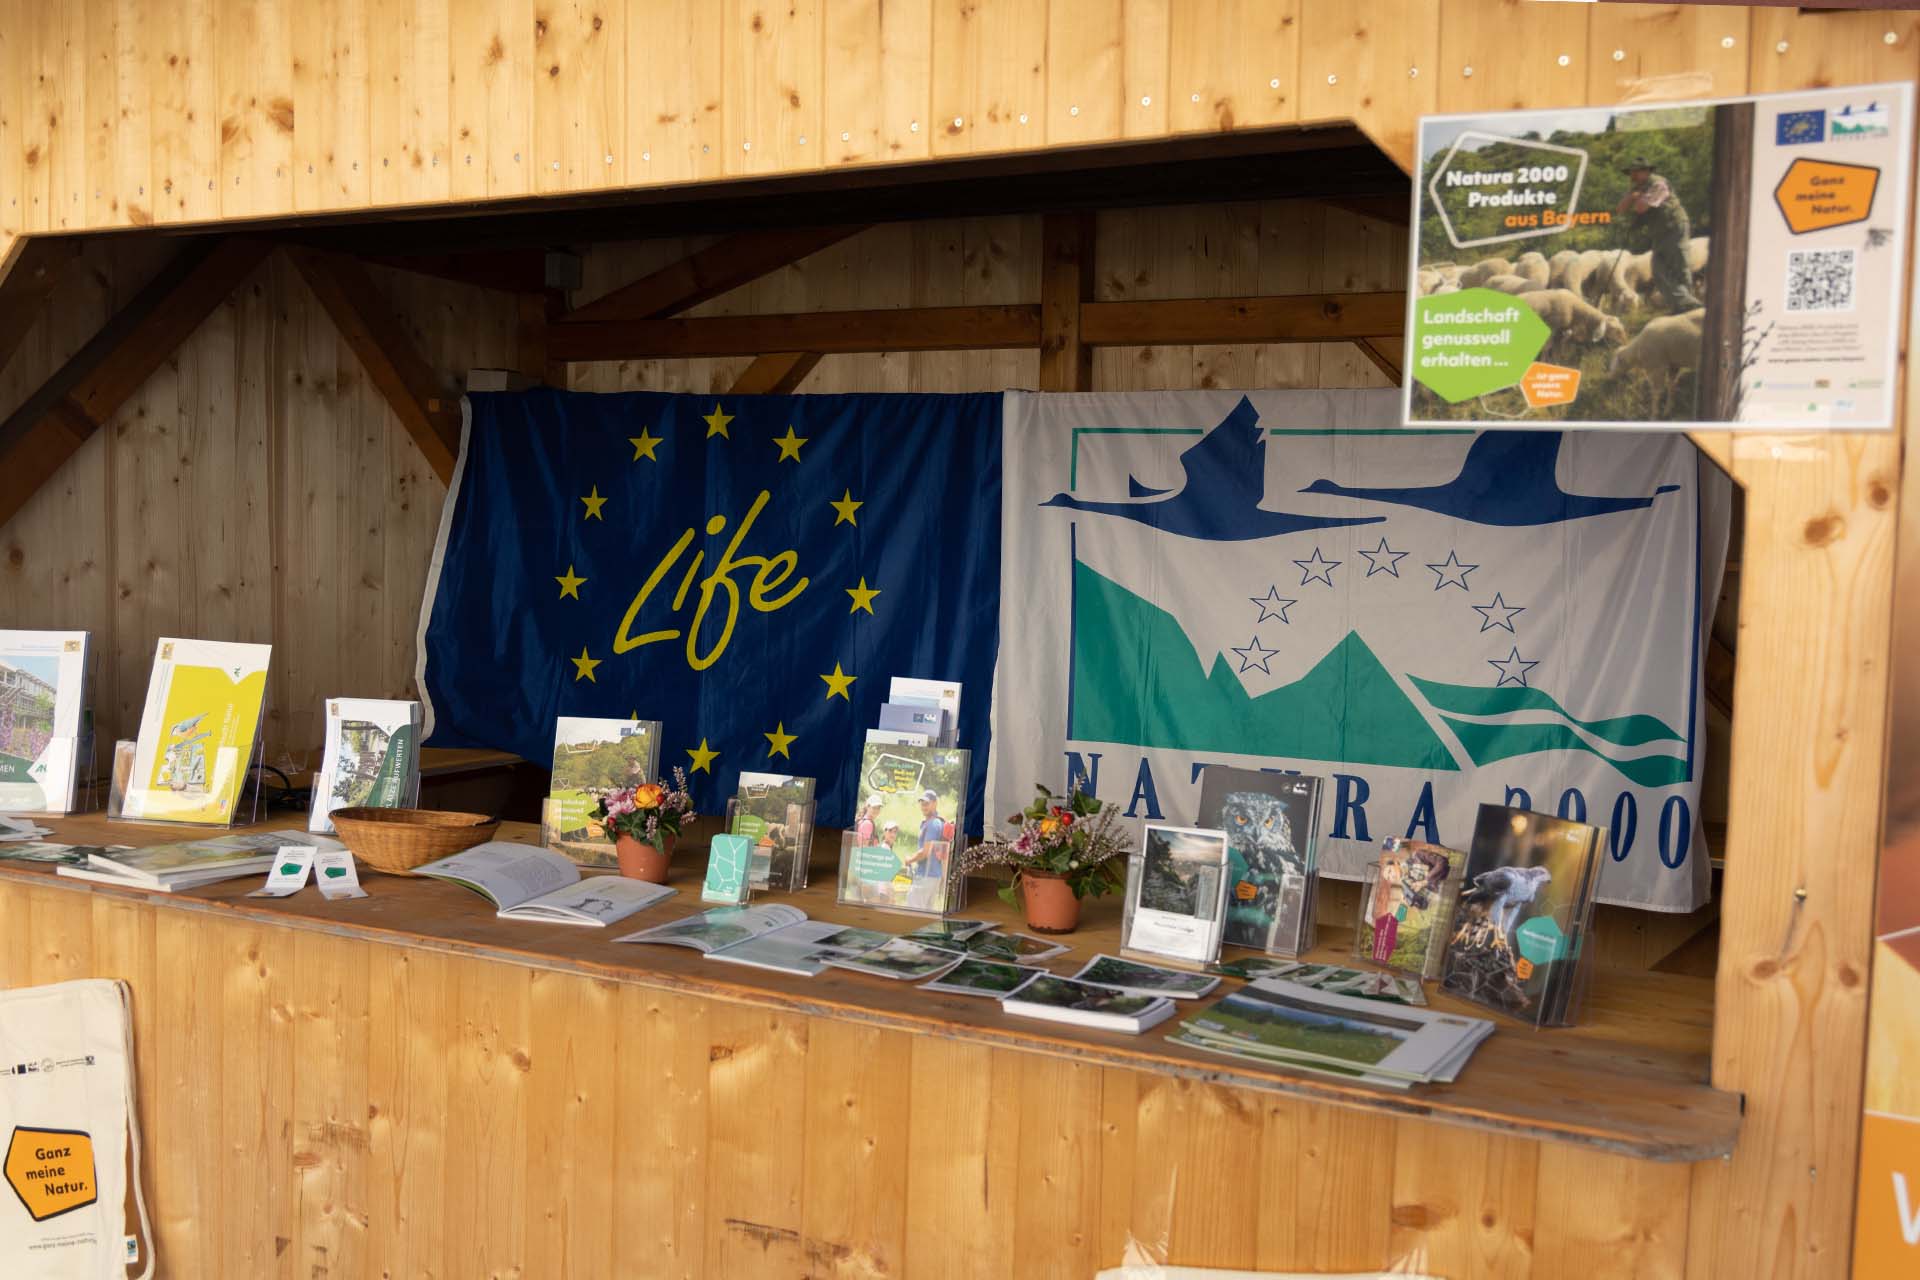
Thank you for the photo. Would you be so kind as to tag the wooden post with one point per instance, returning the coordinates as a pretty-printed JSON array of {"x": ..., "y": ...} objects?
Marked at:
[
  {"x": 1722, "y": 331},
  {"x": 1066, "y": 281}
]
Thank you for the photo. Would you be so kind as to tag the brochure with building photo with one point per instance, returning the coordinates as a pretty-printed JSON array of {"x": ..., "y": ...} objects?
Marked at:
[
  {"x": 775, "y": 812},
  {"x": 197, "y": 730},
  {"x": 592, "y": 755},
  {"x": 898, "y": 854},
  {"x": 1518, "y": 930},
  {"x": 1176, "y": 895},
  {"x": 1272, "y": 821},
  {"x": 1737, "y": 262},
  {"x": 371, "y": 758},
  {"x": 43, "y": 689}
]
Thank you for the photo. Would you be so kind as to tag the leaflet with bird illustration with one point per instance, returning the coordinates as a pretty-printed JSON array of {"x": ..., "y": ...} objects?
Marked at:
[{"x": 1515, "y": 941}]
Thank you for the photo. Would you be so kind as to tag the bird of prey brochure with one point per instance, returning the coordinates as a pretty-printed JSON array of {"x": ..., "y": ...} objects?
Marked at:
[{"x": 1524, "y": 909}]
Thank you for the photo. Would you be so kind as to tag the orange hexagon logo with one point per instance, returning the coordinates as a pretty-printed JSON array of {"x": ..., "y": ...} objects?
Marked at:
[
  {"x": 1815, "y": 195},
  {"x": 51, "y": 1170}
]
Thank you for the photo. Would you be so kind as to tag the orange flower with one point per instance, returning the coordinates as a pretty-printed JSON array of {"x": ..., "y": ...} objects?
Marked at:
[
  {"x": 1049, "y": 825},
  {"x": 648, "y": 795}
]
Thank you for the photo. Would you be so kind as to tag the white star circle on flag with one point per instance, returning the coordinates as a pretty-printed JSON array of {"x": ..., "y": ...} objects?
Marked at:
[
  {"x": 1254, "y": 654},
  {"x": 1513, "y": 669},
  {"x": 1452, "y": 573},
  {"x": 1383, "y": 552},
  {"x": 1272, "y": 605},
  {"x": 1317, "y": 568},
  {"x": 1506, "y": 611}
]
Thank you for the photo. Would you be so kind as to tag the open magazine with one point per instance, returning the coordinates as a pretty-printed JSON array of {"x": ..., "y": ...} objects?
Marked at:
[{"x": 531, "y": 884}]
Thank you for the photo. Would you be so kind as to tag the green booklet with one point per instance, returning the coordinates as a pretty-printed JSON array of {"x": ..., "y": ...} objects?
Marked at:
[
  {"x": 728, "y": 859},
  {"x": 591, "y": 756},
  {"x": 372, "y": 758},
  {"x": 899, "y": 853}
]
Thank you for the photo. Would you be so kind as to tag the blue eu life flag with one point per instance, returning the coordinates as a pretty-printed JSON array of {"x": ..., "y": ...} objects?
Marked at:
[
  {"x": 1793, "y": 128},
  {"x": 747, "y": 570}
]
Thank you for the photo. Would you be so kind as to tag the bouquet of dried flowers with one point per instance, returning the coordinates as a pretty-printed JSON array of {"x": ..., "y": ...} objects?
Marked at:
[
  {"x": 1079, "y": 840},
  {"x": 647, "y": 811}
]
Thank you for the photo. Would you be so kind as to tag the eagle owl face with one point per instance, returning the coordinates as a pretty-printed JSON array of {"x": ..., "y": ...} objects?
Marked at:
[{"x": 1258, "y": 828}]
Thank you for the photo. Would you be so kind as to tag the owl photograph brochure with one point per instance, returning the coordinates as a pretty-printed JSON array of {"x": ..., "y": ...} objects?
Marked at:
[{"x": 1270, "y": 820}]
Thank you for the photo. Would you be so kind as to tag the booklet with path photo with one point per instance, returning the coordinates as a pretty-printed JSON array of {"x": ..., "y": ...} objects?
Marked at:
[
  {"x": 709, "y": 931},
  {"x": 1145, "y": 979},
  {"x": 804, "y": 947},
  {"x": 1057, "y": 999},
  {"x": 534, "y": 885}
]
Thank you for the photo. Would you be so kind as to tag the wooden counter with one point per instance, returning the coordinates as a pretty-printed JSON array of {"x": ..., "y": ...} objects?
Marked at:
[{"x": 409, "y": 1079}]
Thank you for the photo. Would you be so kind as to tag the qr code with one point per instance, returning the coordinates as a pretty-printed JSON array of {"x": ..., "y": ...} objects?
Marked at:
[{"x": 1820, "y": 280}]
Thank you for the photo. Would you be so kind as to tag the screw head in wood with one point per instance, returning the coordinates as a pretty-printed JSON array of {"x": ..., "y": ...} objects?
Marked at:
[
  {"x": 1146, "y": 100},
  {"x": 1726, "y": 42},
  {"x": 1466, "y": 71},
  {"x": 1891, "y": 38},
  {"x": 1563, "y": 60},
  {"x": 1073, "y": 111},
  {"x": 1619, "y": 55},
  {"x": 1274, "y": 83}
]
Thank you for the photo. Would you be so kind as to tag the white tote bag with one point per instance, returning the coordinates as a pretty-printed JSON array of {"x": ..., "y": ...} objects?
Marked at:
[{"x": 67, "y": 1118}]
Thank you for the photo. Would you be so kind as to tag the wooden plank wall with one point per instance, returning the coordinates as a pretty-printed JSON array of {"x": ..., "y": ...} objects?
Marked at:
[
  {"x": 117, "y": 113},
  {"x": 316, "y": 1105},
  {"x": 256, "y": 487}
]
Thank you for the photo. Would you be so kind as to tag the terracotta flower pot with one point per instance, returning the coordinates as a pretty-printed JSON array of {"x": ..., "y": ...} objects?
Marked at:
[
  {"x": 644, "y": 861},
  {"x": 1050, "y": 902}
]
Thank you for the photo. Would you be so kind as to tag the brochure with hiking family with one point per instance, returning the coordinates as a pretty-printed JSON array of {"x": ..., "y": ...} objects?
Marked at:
[
  {"x": 538, "y": 886},
  {"x": 592, "y": 755},
  {"x": 1271, "y": 821},
  {"x": 43, "y": 688},
  {"x": 898, "y": 855}
]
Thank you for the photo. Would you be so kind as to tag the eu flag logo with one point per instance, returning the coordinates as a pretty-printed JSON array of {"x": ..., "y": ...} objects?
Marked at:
[
  {"x": 1791, "y": 128},
  {"x": 747, "y": 570}
]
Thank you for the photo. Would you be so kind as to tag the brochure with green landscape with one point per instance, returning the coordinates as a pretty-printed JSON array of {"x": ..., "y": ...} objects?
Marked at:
[
  {"x": 371, "y": 758},
  {"x": 774, "y": 811},
  {"x": 592, "y": 755}
]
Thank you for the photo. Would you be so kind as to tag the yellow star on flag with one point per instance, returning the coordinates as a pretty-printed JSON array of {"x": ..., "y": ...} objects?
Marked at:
[
  {"x": 569, "y": 584},
  {"x": 583, "y": 666},
  {"x": 594, "y": 502},
  {"x": 839, "y": 682},
  {"x": 778, "y": 741},
  {"x": 703, "y": 758},
  {"x": 843, "y": 510},
  {"x": 862, "y": 599},
  {"x": 789, "y": 445},
  {"x": 643, "y": 445},
  {"x": 717, "y": 422}
]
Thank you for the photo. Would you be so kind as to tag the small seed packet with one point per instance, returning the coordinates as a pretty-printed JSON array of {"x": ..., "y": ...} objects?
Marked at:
[
  {"x": 336, "y": 875},
  {"x": 288, "y": 875}
]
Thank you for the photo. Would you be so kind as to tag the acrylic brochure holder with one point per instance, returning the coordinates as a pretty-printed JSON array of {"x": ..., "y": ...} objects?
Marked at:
[
  {"x": 1390, "y": 934},
  {"x": 155, "y": 800},
  {"x": 1480, "y": 964},
  {"x": 919, "y": 882},
  {"x": 781, "y": 849}
]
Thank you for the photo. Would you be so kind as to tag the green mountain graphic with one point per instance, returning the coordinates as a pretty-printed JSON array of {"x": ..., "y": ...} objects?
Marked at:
[{"x": 1137, "y": 679}]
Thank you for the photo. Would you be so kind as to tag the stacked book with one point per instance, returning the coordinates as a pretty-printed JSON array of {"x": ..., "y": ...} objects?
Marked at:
[
  {"x": 1306, "y": 1029},
  {"x": 164, "y": 868}
]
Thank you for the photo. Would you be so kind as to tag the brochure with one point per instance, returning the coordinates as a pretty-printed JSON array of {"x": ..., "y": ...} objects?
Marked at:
[
  {"x": 899, "y": 958},
  {"x": 197, "y": 730},
  {"x": 983, "y": 945},
  {"x": 1083, "y": 1004},
  {"x": 1367, "y": 984},
  {"x": 729, "y": 858},
  {"x": 1176, "y": 895},
  {"x": 944, "y": 694},
  {"x": 195, "y": 861},
  {"x": 590, "y": 756},
  {"x": 804, "y": 947},
  {"x": 898, "y": 853},
  {"x": 1408, "y": 905},
  {"x": 973, "y": 977},
  {"x": 371, "y": 759},
  {"x": 720, "y": 927},
  {"x": 1272, "y": 821},
  {"x": 775, "y": 812},
  {"x": 1145, "y": 979},
  {"x": 946, "y": 932},
  {"x": 1285, "y": 1021},
  {"x": 43, "y": 679}
]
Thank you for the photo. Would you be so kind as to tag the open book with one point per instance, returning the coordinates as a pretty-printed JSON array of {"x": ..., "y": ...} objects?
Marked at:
[{"x": 528, "y": 883}]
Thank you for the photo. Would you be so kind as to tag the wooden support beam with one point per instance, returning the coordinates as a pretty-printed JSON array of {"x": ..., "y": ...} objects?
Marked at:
[
  {"x": 37, "y": 271},
  {"x": 1385, "y": 358},
  {"x": 712, "y": 271},
  {"x": 402, "y": 374},
  {"x": 531, "y": 357},
  {"x": 85, "y": 392},
  {"x": 508, "y": 270},
  {"x": 822, "y": 332},
  {"x": 1385, "y": 208},
  {"x": 1314, "y": 317},
  {"x": 777, "y": 373},
  {"x": 1307, "y": 317},
  {"x": 1066, "y": 285}
]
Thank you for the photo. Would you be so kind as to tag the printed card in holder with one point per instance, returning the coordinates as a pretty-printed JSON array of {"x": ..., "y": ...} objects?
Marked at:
[
  {"x": 1176, "y": 895},
  {"x": 289, "y": 872},
  {"x": 729, "y": 862}
]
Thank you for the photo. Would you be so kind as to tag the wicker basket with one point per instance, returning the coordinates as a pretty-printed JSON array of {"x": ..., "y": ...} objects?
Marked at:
[{"x": 398, "y": 840}]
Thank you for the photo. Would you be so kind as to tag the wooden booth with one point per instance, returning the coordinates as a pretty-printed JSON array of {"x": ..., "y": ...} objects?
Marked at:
[{"x": 252, "y": 249}]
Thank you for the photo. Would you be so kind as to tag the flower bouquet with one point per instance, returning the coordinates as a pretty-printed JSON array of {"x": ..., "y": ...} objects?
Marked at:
[
  {"x": 1060, "y": 853},
  {"x": 644, "y": 821}
]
